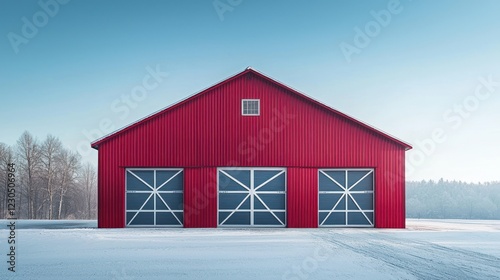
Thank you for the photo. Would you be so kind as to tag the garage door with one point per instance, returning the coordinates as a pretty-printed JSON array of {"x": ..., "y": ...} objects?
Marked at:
[
  {"x": 252, "y": 197},
  {"x": 154, "y": 197},
  {"x": 346, "y": 197}
]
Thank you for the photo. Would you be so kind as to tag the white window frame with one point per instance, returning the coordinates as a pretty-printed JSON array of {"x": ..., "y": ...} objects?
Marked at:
[
  {"x": 252, "y": 197},
  {"x": 181, "y": 224},
  {"x": 345, "y": 193},
  {"x": 242, "y": 107}
]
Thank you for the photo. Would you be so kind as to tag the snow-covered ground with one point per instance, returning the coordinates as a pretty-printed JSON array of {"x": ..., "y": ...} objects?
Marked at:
[{"x": 427, "y": 249}]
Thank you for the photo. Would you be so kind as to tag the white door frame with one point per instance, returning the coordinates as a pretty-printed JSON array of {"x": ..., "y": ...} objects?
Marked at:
[
  {"x": 346, "y": 192},
  {"x": 153, "y": 194},
  {"x": 253, "y": 195}
]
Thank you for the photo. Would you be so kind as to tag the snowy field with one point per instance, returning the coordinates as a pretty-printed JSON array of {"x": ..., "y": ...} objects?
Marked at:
[{"x": 427, "y": 249}]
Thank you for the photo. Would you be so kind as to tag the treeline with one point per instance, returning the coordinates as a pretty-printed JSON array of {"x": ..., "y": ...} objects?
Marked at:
[
  {"x": 51, "y": 181},
  {"x": 452, "y": 200}
]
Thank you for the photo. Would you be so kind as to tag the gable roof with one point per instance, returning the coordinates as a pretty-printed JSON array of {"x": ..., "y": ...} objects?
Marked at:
[{"x": 105, "y": 138}]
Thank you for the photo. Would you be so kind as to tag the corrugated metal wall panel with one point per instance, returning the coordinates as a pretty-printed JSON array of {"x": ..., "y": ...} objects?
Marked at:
[
  {"x": 302, "y": 197},
  {"x": 209, "y": 132},
  {"x": 200, "y": 197}
]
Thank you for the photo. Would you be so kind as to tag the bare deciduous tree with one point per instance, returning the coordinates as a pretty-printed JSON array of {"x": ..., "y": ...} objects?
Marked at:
[
  {"x": 51, "y": 182},
  {"x": 28, "y": 152},
  {"x": 68, "y": 167},
  {"x": 50, "y": 151}
]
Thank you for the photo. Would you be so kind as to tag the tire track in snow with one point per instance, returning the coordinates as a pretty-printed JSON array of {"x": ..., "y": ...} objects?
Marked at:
[{"x": 422, "y": 259}]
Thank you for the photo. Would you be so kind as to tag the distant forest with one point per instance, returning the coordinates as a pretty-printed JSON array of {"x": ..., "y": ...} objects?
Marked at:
[
  {"x": 452, "y": 200},
  {"x": 50, "y": 181}
]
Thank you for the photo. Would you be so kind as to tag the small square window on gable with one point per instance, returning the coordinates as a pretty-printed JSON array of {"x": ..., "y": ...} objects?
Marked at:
[{"x": 250, "y": 107}]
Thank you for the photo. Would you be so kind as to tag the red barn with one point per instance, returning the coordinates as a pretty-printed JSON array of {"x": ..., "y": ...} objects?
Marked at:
[{"x": 250, "y": 151}]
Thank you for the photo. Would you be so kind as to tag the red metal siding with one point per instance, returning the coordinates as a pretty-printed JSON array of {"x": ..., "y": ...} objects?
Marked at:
[
  {"x": 200, "y": 197},
  {"x": 209, "y": 132},
  {"x": 390, "y": 192},
  {"x": 302, "y": 197},
  {"x": 111, "y": 191}
]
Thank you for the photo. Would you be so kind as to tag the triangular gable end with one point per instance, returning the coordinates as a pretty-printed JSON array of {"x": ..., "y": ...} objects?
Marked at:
[{"x": 248, "y": 70}]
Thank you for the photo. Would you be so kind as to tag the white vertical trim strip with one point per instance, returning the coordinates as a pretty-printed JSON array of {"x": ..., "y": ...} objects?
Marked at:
[
  {"x": 346, "y": 200},
  {"x": 154, "y": 197},
  {"x": 252, "y": 194}
]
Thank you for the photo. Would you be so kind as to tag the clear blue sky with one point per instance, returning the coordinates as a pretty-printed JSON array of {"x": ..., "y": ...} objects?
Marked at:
[{"x": 418, "y": 65}]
